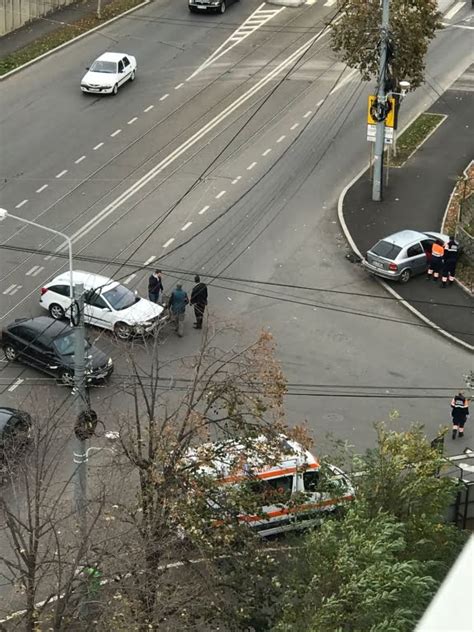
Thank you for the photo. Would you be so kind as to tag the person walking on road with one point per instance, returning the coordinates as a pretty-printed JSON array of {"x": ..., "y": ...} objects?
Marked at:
[
  {"x": 199, "y": 301},
  {"x": 177, "y": 306},
  {"x": 436, "y": 261},
  {"x": 155, "y": 286},
  {"x": 459, "y": 413},
  {"x": 451, "y": 252}
]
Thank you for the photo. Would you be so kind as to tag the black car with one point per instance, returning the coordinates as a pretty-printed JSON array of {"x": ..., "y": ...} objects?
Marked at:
[
  {"x": 202, "y": 6},
  {"x": 15, "y": 429},
  {"x": 48, "y": 345}
]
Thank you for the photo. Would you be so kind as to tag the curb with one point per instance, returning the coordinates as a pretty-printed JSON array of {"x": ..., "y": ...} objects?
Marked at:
[
  {"x": 386, "y": 286},
  {"x": 71, "y": 41}
]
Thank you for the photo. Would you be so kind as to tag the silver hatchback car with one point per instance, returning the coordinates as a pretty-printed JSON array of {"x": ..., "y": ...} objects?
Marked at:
[{"x": 402, "y": 255}]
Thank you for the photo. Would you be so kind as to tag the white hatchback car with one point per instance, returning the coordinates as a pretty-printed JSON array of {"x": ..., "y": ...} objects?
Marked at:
[
  {"x": 107, "y": 304},
  {"x": 108, "y": 73}
]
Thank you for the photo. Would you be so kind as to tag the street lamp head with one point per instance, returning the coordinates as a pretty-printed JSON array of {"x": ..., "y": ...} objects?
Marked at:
[
  {"x": 404, "y": 86},
  {"x": 3, "y": 214}
]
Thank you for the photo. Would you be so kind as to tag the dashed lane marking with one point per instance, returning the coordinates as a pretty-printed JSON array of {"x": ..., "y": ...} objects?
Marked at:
[
  {"x": 12, "y": 289},
  {"x": 149, "y": 260},
  {"x": 267, "y": 151},
  {"x": 16, "y": 384},
  {"x": 251, "y": 166},
  {"x": 180, "y": 85},
  {"x": 116, "y": 133},
  {"x": 40, "y": 269},
  {"x": 281, "y": 138},
  {"x": 31, "y": 270},
  {"x": 319, "y": 103},
  {"x": 150, "y": 107},
  {"x": 186, "y": 226},
  {"x": 308, "y": 113},
  {"x": 257, "y": 19},
  {"x": 235, "y": 180},
  {"x": 9, "y": 289},
  {"x": 203, "y": 210},
  {"x": 132, "y": 120},
  {"x": 42, "y": 188},
  {"x": 169, "y": 242},
  {"x": 15, "y": 290},
  {"x": 294, "y": 126},
  {"x": 61, "y": 173},
  {"x": 449, "y": 15},
  {"x": 165, "y": 96},
  {"x": 130, "y": 278},
  {"x": 79, "y": 160},
  {"x": 219, "y": 195},
  {"x": 22, "y": 203},
  {"x": 97, "y": 146}
]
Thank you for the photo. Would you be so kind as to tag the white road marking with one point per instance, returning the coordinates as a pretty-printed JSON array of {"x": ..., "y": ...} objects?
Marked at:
[
  {"x": 61, "y": 173},
  {"x": 168, "y": 243},
  {"x": 308, "y": 113},
  {"x": 294, "y": 126},
  {"x": 344, "y": 81},
  {"x": 16, "y": 384},
  {"x": 235, "y": 180},
  {"x": 257, "y": 19},
  {"x": 267, "y": 151},
  {"x": 40, "y": 269},
  {"x": 9, "y": 289},
  {"x": 31, "y": 270},
  {"x": 15, "y": 290},
  {"x": 192, "y": 140},
  {"x": 45, "y": 186},
  {"x": 130, "y": 278},
  {"x": 79, "y": 160},
  {"x": 281, "y": 138},
  {"x": 150, "y": 107},
  {"x": 132, "y": 120},
  {"x": 203, "y": 210},
  {"x": 149, "y": 260},
  {"x": 310, "y": 2},
  {"x": 165, "y": 96},
  {"x": 219, "y": 195},
  {"x": 22, "y": 203},
  {"x": 452, "y": 12},
  {"x": 116, "y": 133},
  {"x": 329, "y": 3},
  {"x": 319, "y": 103},
  {"x": 97, "y": 146},
  {"x": 186, "y": 226},
  {"x": 251, "y": 166},
  {"x": 180, "y": 85}
]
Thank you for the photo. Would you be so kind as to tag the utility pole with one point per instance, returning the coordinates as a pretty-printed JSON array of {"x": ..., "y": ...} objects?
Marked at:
[
  {"x": 377, "y": 182},
  {"x": 99, "y": 15}
]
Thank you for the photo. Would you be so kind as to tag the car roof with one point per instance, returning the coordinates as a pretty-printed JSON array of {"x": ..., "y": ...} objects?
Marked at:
[
  {"x": 43, "y": 325},
  {"x": 6, "y": 413},
  {"x": 89, "y": 280},
  {"x": 405, "y": 237},
  {"x": 111, "y": 56}
]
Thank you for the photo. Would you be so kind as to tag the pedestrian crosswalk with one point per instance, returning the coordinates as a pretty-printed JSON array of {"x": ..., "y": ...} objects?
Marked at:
[{"x": 256, "y": 20}]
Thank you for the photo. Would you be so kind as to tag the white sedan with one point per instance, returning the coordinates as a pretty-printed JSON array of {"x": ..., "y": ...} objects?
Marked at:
[
  {"x": 108, "y": 73},
  {"x": 107, "y": 304}
]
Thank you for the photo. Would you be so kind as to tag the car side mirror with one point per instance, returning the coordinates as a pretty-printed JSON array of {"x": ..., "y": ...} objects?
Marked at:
[{"x": 88, "y": 67}]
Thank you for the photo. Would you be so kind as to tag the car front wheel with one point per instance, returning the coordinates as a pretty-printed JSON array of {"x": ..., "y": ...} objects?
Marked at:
[
  {"x": 115, "y": 89},
  {"x": 222, "y": 8},
  {"x": 123, "y": 331},
  {"x": 10, "y": 352},
  {"x": 56, "y": 311},
  {"x": 67, "y": 378},
  {"x": 133, "y": 75},
  {"x": 405, "y": 276}
]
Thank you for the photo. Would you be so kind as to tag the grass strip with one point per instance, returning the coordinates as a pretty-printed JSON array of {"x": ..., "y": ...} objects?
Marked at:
[
  {"x": 64, "y": 34},
  {"x": 414, "y": 135}
]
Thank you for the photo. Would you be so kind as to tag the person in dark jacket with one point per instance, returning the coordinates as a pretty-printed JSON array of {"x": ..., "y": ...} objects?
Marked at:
[
  {"x": 451, "y": 252},
  {"x": 199, "y": 301},
  {"x": 155, "y": 286},
  {"x": 177, "y": 306},
  {"x": 459, "y": 413}
]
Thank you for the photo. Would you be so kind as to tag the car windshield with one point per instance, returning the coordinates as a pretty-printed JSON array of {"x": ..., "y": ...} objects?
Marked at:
[
  {"x": 66, "y": 345},
  {"x": 120, "y": 297},
  {"x": 103, "y": 66},
  {"x": 386, "y": 249}
]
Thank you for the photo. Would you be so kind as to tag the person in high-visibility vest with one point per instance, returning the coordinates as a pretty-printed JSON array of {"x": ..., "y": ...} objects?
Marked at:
[
  {"x": 436, "y": 261},
  {"x": 459, "y": 413}
]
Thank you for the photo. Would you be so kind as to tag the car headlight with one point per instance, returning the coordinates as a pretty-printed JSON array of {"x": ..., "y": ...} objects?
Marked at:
[{"x": 109, "y": 362}]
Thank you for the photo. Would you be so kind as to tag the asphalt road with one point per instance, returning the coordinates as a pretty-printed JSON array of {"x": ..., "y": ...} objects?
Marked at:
[{"x": 268, "y": 161}]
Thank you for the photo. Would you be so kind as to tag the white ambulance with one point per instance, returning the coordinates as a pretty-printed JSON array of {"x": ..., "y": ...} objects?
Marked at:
[{"x": 289, "y": 492}]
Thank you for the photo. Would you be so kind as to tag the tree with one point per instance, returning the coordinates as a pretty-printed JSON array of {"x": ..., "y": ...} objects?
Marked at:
[
  {"x": 413, "y": 24},
  {"x": 376, "y": 568}
]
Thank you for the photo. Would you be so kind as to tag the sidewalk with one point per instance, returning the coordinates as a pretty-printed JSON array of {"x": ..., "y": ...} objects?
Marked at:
[{"x": 416, "y": 197}]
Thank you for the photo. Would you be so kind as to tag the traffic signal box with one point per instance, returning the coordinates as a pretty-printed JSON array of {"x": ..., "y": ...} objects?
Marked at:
[{"x": 392, "y": 116}]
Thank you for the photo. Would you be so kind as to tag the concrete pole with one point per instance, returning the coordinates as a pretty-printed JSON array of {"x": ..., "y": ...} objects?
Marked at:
[
  {"x": 377, "y": 182},
  {"x": 99, "y": 12}
]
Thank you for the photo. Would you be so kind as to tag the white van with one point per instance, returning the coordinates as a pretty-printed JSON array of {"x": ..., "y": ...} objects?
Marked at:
[{"x": 290, "y": 488}]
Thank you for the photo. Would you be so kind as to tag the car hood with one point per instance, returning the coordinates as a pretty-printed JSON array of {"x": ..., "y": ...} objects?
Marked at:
[
  {"x": 140, "y": 312},
  {"x": 99, "y": 78},
  {"x": 94, "y": 357}
]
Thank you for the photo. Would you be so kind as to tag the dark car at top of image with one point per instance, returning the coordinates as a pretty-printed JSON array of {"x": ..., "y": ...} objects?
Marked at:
[
  {"x": 15, "y": 430},
  {"x": 48, "y": 345},
  {"x": 202, "y": 6},
  {"x": 402, "y": 255}
]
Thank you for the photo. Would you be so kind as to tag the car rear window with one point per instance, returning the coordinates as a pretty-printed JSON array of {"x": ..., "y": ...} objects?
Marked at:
[{"x": 386, "y": 249}]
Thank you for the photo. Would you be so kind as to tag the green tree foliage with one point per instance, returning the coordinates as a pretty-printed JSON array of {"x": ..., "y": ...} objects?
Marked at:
[
  {"x": 376, "y": 568},
  {"x": 413, "y": 24}
]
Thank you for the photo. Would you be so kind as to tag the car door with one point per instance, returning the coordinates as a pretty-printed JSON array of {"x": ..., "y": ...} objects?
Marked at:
[
  {"x": 416, "y": 258},
  {"x": 121, "y": 72},
  {"x": 23, "y": 339},
  {"x": 96, "y": 310},
  {"x": 274, "y": 494},
  {"x": 127, "y": 68}
]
